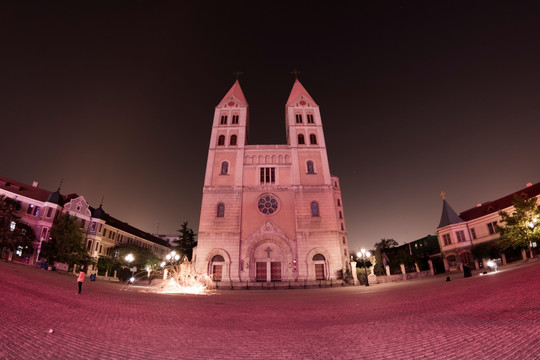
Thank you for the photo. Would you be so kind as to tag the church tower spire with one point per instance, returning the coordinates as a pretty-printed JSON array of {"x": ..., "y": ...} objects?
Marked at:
[
  {"x": 305, "y": 136},
  {"x": 228, "y": 139}
]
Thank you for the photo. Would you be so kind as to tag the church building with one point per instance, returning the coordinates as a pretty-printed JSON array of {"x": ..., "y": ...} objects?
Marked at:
[{"x": 270, "y": 213}]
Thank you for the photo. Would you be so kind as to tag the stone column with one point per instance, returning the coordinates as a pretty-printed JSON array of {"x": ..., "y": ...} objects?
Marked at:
[
  {"x": 387, "y": 268},
  {"x": 403, "y": 272},
  {"x": 431, "y": 270},
  {"x": 372, "y": 278},
  {"x": 353, "y": 273}
]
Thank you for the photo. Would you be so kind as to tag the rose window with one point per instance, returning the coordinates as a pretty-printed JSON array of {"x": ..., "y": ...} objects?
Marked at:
[{"x": 268, "y": 204}]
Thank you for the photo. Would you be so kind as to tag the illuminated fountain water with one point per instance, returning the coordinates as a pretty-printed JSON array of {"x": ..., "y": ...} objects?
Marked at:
[
  {"x": 174, "y": 276},
  {"x": 180, "y": 278}
]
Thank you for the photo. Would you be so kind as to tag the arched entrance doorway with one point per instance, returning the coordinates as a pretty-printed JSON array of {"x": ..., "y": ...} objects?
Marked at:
[
  {"x": 319, "y": 261},
  {"x": 217, "y": 267},
  {"x": 269, "y": 261}
]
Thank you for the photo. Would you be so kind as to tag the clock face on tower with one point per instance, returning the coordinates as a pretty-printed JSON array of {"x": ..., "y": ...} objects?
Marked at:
[{"x": 268, "y": 204}]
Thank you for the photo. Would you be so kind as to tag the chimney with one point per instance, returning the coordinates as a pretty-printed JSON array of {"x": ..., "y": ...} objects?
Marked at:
[{"x": 35, "y": 184}]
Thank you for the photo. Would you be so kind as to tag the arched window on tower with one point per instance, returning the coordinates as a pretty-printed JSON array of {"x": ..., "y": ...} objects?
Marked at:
[
  {"x": 338, "y": 202},
  {"x": 340, "y": 215},
  {"x": 224, "y": 168},
  {"x": 298, "y": 118},
  {"x": 310, "y": 118},
  {"x": 314, "y": 208},
  {"x": 301, "y": 140},
  {"x": 310, "y": 167},
  {"x": 233, "y": 140},
  {"x": 220, "y": 209},
  {"x": 221, "y": 140},
  {"x": 312, "y": 139},
  {"x": 235, "y": 119},
  {"x": 223, "y": 120}
]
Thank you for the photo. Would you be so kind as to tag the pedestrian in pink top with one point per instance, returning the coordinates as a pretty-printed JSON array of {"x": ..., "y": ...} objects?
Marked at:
[{"x": 80, "y": 279}]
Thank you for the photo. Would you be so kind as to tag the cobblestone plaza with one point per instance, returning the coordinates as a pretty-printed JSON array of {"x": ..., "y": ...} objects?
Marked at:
[{"x": 496, "y": 316}]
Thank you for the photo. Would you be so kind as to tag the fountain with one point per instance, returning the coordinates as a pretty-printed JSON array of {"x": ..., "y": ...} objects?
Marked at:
[{"x": 177, "y": 277}]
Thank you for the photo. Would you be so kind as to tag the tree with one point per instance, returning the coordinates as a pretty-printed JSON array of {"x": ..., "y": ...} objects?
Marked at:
[
  {"x": 14, "y": 233},
  {"x": 522, "y": 226},
  {"x": 380, "y": 248},
  {"x": 67, "y": 242},
  {"x": 186, "y": 241},
  {"x": 485, "y": 251},
  {"x": 141, "y": 257}
]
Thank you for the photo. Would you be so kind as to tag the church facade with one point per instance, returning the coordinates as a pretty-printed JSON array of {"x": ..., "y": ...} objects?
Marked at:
[{"x": 270, "y": 212}]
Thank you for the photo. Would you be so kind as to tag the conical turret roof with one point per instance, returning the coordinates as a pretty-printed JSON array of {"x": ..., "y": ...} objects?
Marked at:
[
  {"x": 297, "y": 91},
  {"x": 235, "y": 94},
  {"x": 56, "y": 198},
  {"x": 448, "y": 216}
]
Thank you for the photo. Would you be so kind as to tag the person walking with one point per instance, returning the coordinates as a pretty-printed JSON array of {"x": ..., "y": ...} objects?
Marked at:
[{"x": 80, "y": 279}]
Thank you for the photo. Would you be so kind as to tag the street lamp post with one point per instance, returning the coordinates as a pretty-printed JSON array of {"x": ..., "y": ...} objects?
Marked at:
[
  {"x": 172, "y": 257},
  {"x": 363, "y": 254},
  {"x": 532, "y": 224},
  {"x": 129, "y": 258}
]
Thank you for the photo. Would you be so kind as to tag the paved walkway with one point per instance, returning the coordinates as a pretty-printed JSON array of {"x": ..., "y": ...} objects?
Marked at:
[{"x": 483, "y": 317}]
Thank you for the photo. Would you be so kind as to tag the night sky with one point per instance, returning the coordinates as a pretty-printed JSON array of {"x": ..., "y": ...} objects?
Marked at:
[{"x": 417, "y": 97}]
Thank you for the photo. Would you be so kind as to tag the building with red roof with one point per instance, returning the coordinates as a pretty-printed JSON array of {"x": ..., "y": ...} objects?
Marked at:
[
  {"x": 459, "y": 234},
  {"x": 40, "y": 208}
]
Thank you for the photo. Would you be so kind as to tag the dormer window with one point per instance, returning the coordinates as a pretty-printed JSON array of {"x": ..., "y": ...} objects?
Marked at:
[{"x": 298, "y": 118}]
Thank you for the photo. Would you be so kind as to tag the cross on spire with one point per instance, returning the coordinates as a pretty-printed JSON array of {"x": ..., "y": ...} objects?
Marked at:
[
  {"x": 237, "y": 74},
  {"x": 443, "y": 194},
  {"x": 295, "y": 73}
]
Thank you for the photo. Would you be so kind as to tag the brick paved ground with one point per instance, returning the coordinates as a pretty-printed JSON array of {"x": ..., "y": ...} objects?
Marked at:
[{"x": 483, "y": 317}]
